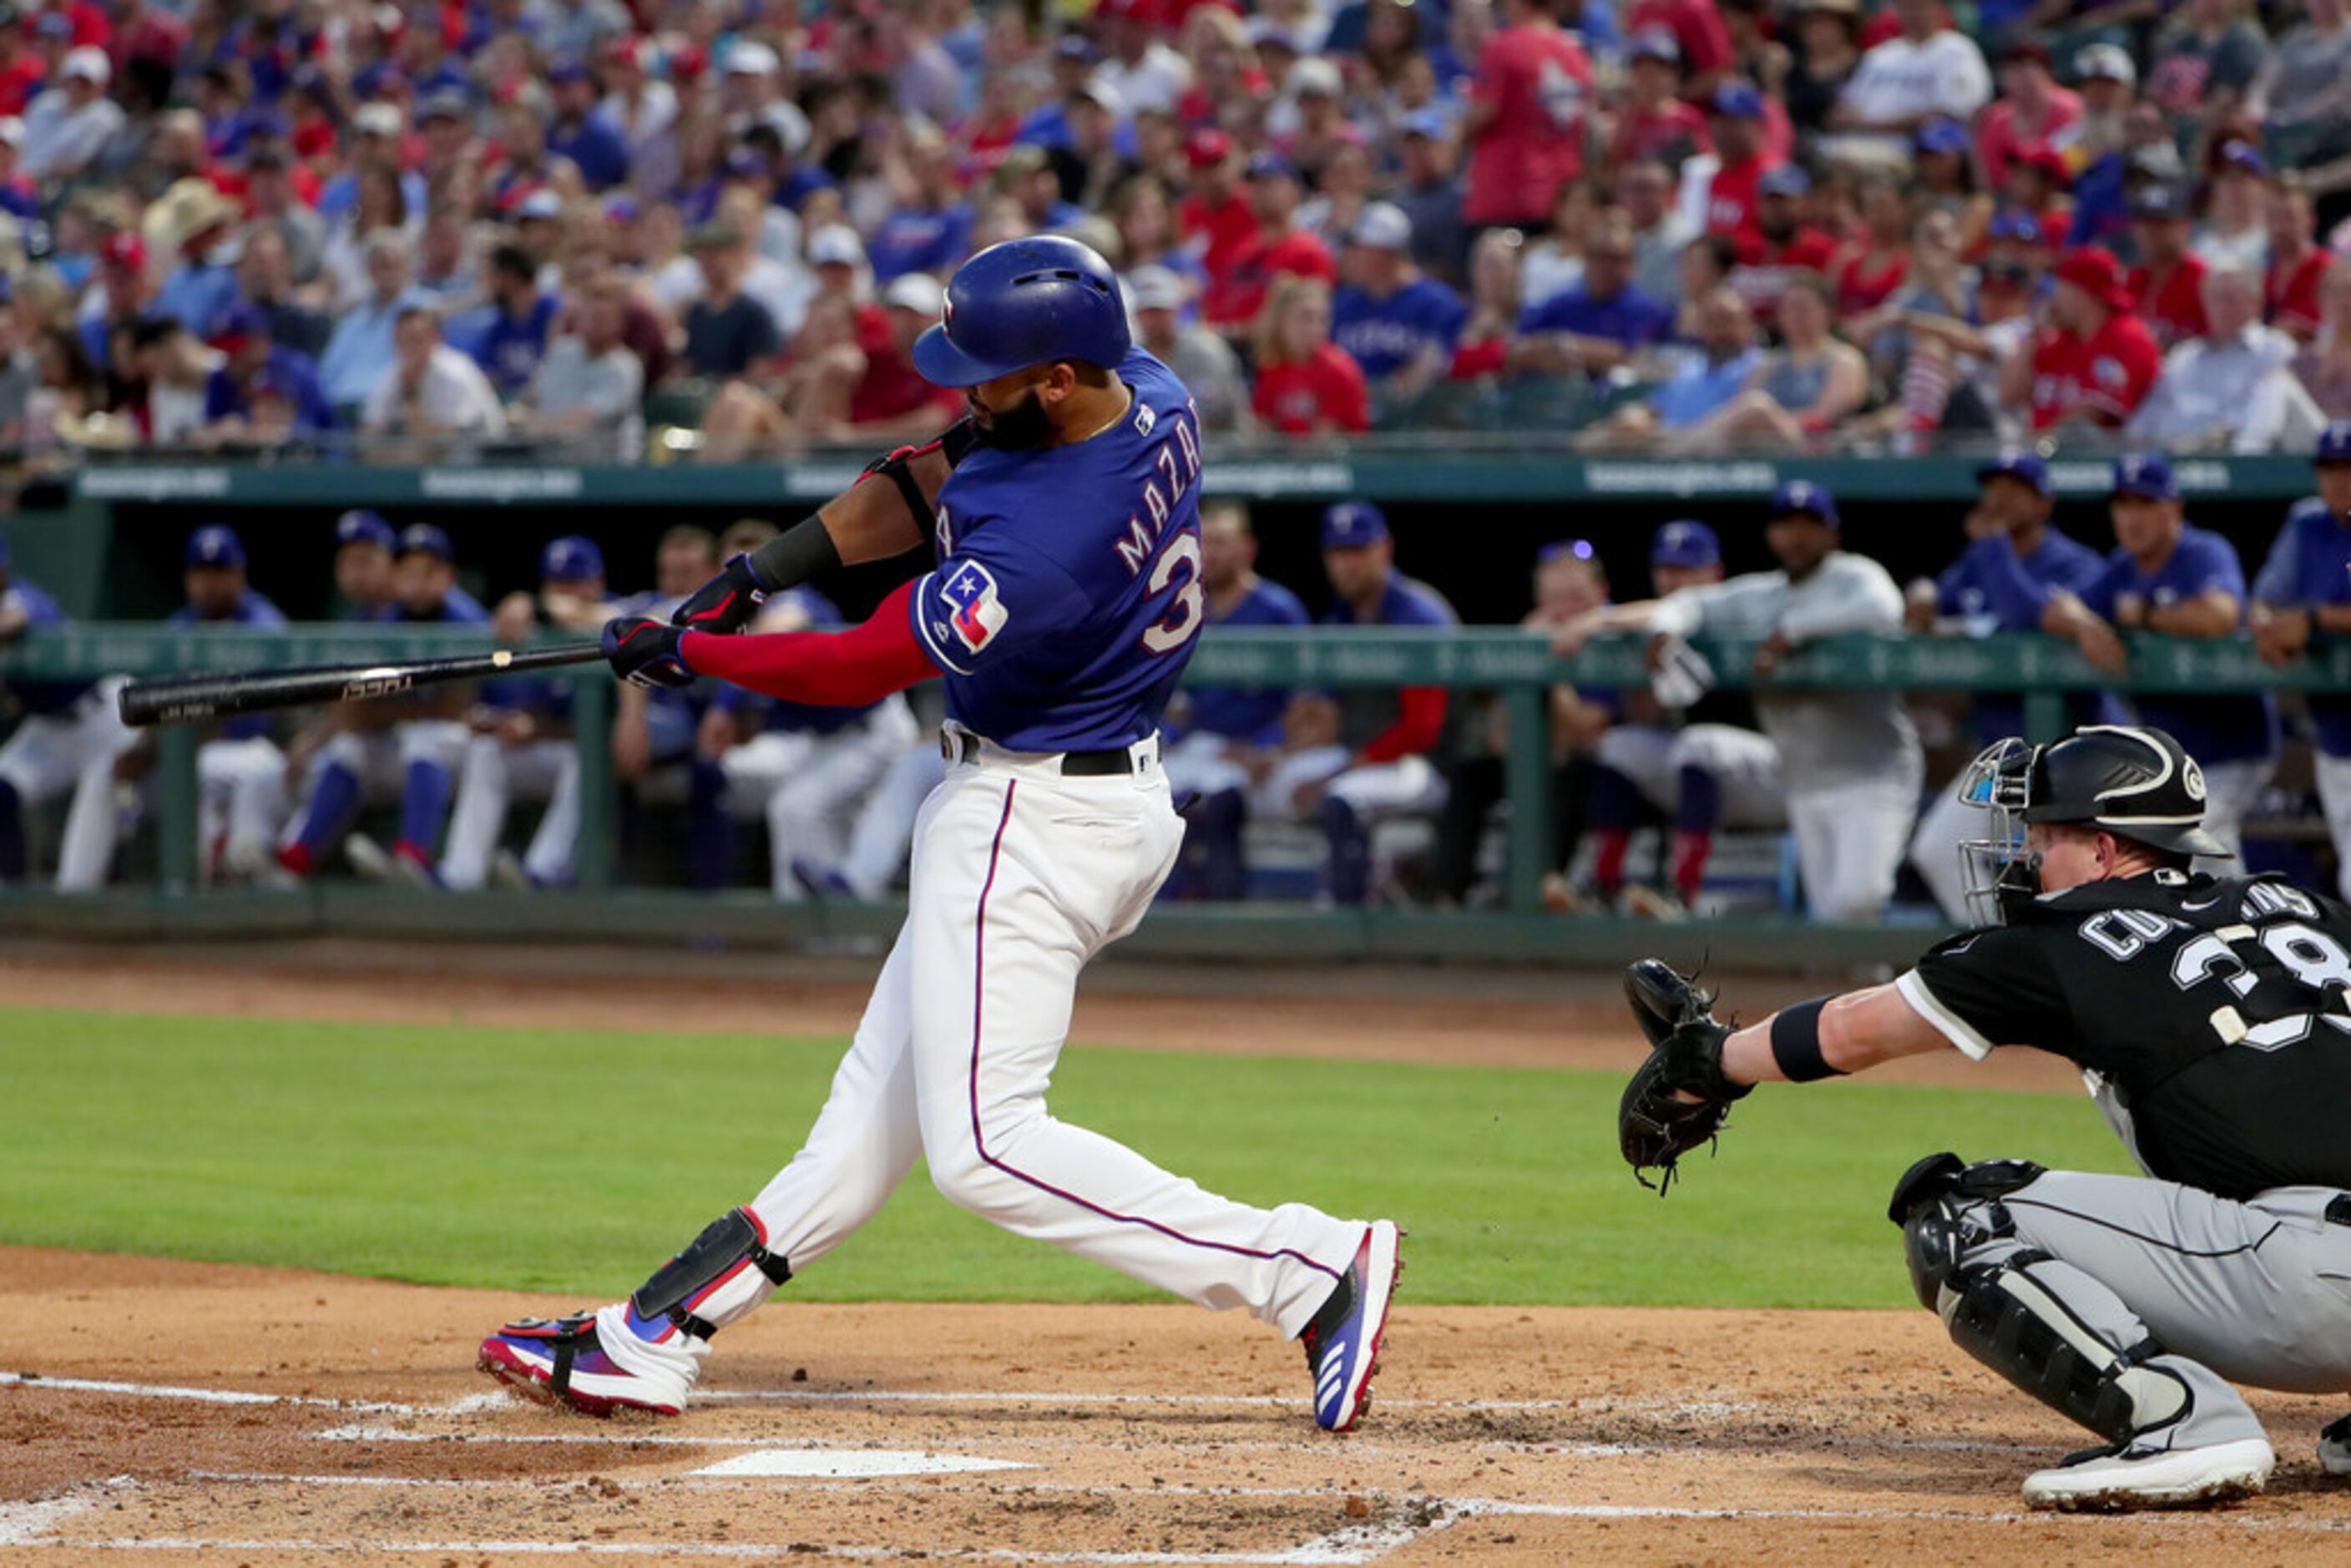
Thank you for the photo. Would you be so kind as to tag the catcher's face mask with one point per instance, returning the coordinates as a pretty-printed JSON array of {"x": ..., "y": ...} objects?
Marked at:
[{"x": 1999, "y": 872}]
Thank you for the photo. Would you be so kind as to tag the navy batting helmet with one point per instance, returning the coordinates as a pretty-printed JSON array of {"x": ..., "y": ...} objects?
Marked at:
[{"x": 1024, "y": 302}]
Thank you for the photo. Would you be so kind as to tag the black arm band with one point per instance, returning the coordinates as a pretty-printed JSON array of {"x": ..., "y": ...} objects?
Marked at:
[
  {"x": 798, "y": 553},
  {"x": 1796, "y": 1043},
  {"x": 954, "y": 443}
]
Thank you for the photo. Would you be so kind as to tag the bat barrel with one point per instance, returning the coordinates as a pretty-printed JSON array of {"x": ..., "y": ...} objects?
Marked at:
[{"x": 186, "y": 699}]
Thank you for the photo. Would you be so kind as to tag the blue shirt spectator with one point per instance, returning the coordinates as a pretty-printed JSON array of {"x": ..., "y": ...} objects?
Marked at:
[
  {"x": 514, "y": 338},
  {"x": 1391, "y": 317},
  {"x": 359, "y": 353}
]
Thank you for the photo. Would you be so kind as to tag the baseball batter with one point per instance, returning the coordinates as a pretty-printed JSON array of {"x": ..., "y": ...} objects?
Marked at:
[
  {"x": 2212, "y": 1019},
  {"x": 1850, "y": 758},
  {"x": 1061, "y": 615},
  {"x": 67, "y": 736}
]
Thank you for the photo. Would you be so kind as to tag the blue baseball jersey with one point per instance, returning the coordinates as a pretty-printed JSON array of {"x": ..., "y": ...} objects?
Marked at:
[
  {"x": 1067, "y": 598},
  {"x": 2310, "y": 565},
  {"x": 1366, "y": 712},
  {"x": 252, "y": 611},
  {"x": 457, "y": 607},
  {"x": 1252, "y": 714},
  {"x": 775, "y": 713},
  {"x": 1385, "y": 335},
  {"x": 1995, "y": 589},
  {"x": 41, "y": 698},
  {"x": 2212, "y": 730},
  {"x": 1628, "y": 317}
]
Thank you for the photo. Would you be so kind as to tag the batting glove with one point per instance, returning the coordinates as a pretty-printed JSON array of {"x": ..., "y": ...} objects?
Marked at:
[
  {"x": 646, "y": 652},
  {"x": 727, "y": 602}
]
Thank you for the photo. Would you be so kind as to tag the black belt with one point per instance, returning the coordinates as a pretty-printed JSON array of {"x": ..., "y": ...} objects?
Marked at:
[{"x": 964, "y": 747}]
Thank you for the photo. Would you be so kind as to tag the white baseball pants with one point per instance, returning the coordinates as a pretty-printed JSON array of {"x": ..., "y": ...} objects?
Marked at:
[
  {"x": 493, "y": 774},
  {"x": 2335, "y": 800},
  {"x": 378, "y": 758},
  {"x": 1849, "y": 842},
  {"x": 811, "y": 786},
  {"x": 2231, "y": 789},
  {"x": 1020, "y": 876},
  {"x": 241, "y": 796},
  {"x": 884, "y": 830},
  {"x": 1377, "y": 790},
  {"x": 1744, "y": 763},
  {"x": 52, "y": 753}
]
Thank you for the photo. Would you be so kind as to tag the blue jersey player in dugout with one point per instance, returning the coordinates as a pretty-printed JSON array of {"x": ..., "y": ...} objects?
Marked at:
[{"x": 1066, "y": 600}]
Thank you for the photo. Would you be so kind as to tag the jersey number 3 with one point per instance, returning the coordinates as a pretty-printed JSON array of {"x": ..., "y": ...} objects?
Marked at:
[{"x": 1182, "y": 622}]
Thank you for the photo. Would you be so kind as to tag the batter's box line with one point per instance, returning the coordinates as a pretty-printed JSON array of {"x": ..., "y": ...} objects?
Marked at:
[{"x": 34, "y": 1380}]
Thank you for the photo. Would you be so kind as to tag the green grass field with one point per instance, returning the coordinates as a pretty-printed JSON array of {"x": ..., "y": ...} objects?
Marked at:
[{"x": 575, "y": 1161}]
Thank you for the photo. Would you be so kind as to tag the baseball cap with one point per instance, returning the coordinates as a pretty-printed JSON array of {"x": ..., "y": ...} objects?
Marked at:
[
  {"x": 566, "y": 70},
  {"x": 2016, "y": 226},
  {"x": 125, "y": 250},
  {"x": 1314, "y": 77},
  {"x": 540, "y": 203},
  {"x": 1684, "y": 542},
  {"x": 1101, "y": 95},
  {"x": 240, "y": 323},
  {"x": 2093, "y": 269},
  {"x": 571, "y": 558},
  {"x": 2105, "y": 62},
  {"x": 1566, "y": 549},
  {"x": 1657, "y": 44},
  {"x": 425, "y": 538},
  {"x": 2159, "y": 201},
  {"x": 1787, "y": 180},
  {"x": 215, "y": 545},
  {"x": 1077, "y": 46},
  {"x": 2238, "y": 153},
  {"x": 752, "y": 58},
  {"x": 1381, "y": 225},
  {"x": 835, "y": 245},
  {"x": 1207, "y": 147},
  {"x": 918, "y": 292},
  {"x": 712, "y": 234},
  {"x": 2147, "y": 474},
  {"x": 12, "y": 129},
  {"x": 1425, "y": 122},
  {"x": 1802, "y": 499},
  {"x": 1739, "y": 100},
  {"x": 2017, "y": 463},
  {"x": 362, "y": 526},
  {"x": 1942, "y": 134},
  {"x": 91, "y": 65},
  {"x": 2335, "y": 443},
  {"x": 53, "y": 24},
  {"x": 376, "y": 120},
  {"x": 1155, "y": 287},
  {"x": 1272, "y": 166},
  {"x": 1353, "y": 523},
  {"x": 443, "y": 103}
]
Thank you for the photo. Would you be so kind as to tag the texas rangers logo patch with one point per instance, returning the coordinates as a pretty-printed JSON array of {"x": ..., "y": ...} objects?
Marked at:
[{"x": 978, "y": 614}]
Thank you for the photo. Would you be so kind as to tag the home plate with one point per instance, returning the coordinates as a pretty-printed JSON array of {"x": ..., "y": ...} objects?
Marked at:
[{"x": 842, "y": 1464}]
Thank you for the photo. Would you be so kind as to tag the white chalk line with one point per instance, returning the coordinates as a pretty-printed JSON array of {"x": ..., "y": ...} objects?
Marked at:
[{"x": 37, "y": 1380}]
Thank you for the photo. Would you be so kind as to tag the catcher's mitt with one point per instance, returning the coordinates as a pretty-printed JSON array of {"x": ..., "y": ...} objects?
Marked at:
[{"x": 1678, "y": 1098}]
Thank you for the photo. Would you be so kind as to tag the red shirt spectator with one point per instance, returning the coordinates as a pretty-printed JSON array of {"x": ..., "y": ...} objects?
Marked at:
[
  {"x": 1718, "y": 193},
  {"x": 2297, "y": 266},
  {"x": 2168, "y": 287},
  {"x": 2096, "y": 360},
  {"x": 1697, "y": 26},
  {"x": 1669, "y": 132},
  {"x": 1216, "y": 214},
  {"x": 1306, "y": 384},
  {"x": 890, "y": 389},
  {"x": 20, "y": 79},
  {"x": 2034, "y": 113},
  {"x": 1861, "y": 287},
  {"x": 1277, "y": 248},
  {"x": 1531, "y": 104}
]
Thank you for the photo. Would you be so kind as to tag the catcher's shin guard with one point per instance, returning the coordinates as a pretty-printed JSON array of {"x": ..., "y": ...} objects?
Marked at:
[
  {"x": 2009, "y": 1311},
  {"x": 721, "y": 1275}
]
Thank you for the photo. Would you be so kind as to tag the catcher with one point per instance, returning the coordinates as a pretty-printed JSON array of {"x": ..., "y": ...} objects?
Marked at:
[{"x": 2212, "y": 1019}]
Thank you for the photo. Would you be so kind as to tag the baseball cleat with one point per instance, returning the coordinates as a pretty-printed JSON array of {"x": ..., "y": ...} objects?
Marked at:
[
  {"x": 404, "y": 863},
  {"x": 2107, "y": 1481},
  {"x": 507, "y": 874},
  {"x": 2335, "y": 1447},
  {"x": 570, "y": 1361},
  {"x": 1343, "y": 1342}
]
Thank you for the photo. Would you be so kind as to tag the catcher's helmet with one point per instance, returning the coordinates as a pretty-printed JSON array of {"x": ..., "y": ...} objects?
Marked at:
[
  {"x": 2130, "y": 781},
  {"x": 1024, "y": 302}
]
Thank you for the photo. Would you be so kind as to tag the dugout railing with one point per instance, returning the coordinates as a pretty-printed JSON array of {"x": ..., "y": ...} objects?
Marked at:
[{"x": 1518, "y": 668}]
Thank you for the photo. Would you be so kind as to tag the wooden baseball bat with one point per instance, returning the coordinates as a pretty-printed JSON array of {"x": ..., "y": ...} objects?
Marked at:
[{"x": 186, "y": 699}]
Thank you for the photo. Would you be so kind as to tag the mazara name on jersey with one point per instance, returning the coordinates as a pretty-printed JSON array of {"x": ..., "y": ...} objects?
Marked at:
[{"x": 1178, "y": 460}]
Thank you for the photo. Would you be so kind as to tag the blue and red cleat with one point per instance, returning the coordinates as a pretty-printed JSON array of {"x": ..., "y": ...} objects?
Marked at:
[
  {"x": 570, "y": 1361},
  {"x": 1343, "y": 1342}
]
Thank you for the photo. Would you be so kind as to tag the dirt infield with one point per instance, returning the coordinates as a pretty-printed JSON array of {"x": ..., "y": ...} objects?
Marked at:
[
  {"x": 227, "y": 1415},
  {"x": 1114, "y": 1435}
]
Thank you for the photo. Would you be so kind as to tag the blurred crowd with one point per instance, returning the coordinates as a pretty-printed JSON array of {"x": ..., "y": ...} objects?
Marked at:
[
  {"x": 1686, "y": 226},
  {"x": 1354, "y": 797}
]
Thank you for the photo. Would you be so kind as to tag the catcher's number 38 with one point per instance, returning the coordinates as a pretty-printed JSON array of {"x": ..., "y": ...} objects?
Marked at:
[{"x": 1678, "y": 1098}]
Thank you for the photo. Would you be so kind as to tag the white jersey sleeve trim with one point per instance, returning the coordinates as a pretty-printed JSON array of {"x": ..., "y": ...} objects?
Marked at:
[
  {"x": 914, "y": 609},
  {"x": 1949, "y": 1024}
]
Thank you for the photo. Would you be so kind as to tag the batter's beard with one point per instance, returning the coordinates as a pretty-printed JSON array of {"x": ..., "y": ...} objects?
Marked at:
[{"x": 1020, "y": 428}]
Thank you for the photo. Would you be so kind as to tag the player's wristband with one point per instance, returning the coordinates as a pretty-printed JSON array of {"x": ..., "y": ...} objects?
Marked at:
[
  {"x": 1796, "y": 1043},
  {"x": 800, "y": 553}
]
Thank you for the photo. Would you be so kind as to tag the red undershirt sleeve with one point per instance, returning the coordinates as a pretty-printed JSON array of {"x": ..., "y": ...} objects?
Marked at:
[
  {"x": 853, "y": 668},
  {"x": 1420, "y": 719}
]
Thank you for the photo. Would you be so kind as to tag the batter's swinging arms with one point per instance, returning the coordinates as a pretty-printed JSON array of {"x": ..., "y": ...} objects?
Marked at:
[
  {"x": 2212, "y": 1018},
  {"x": 1064, "y": 605}
]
